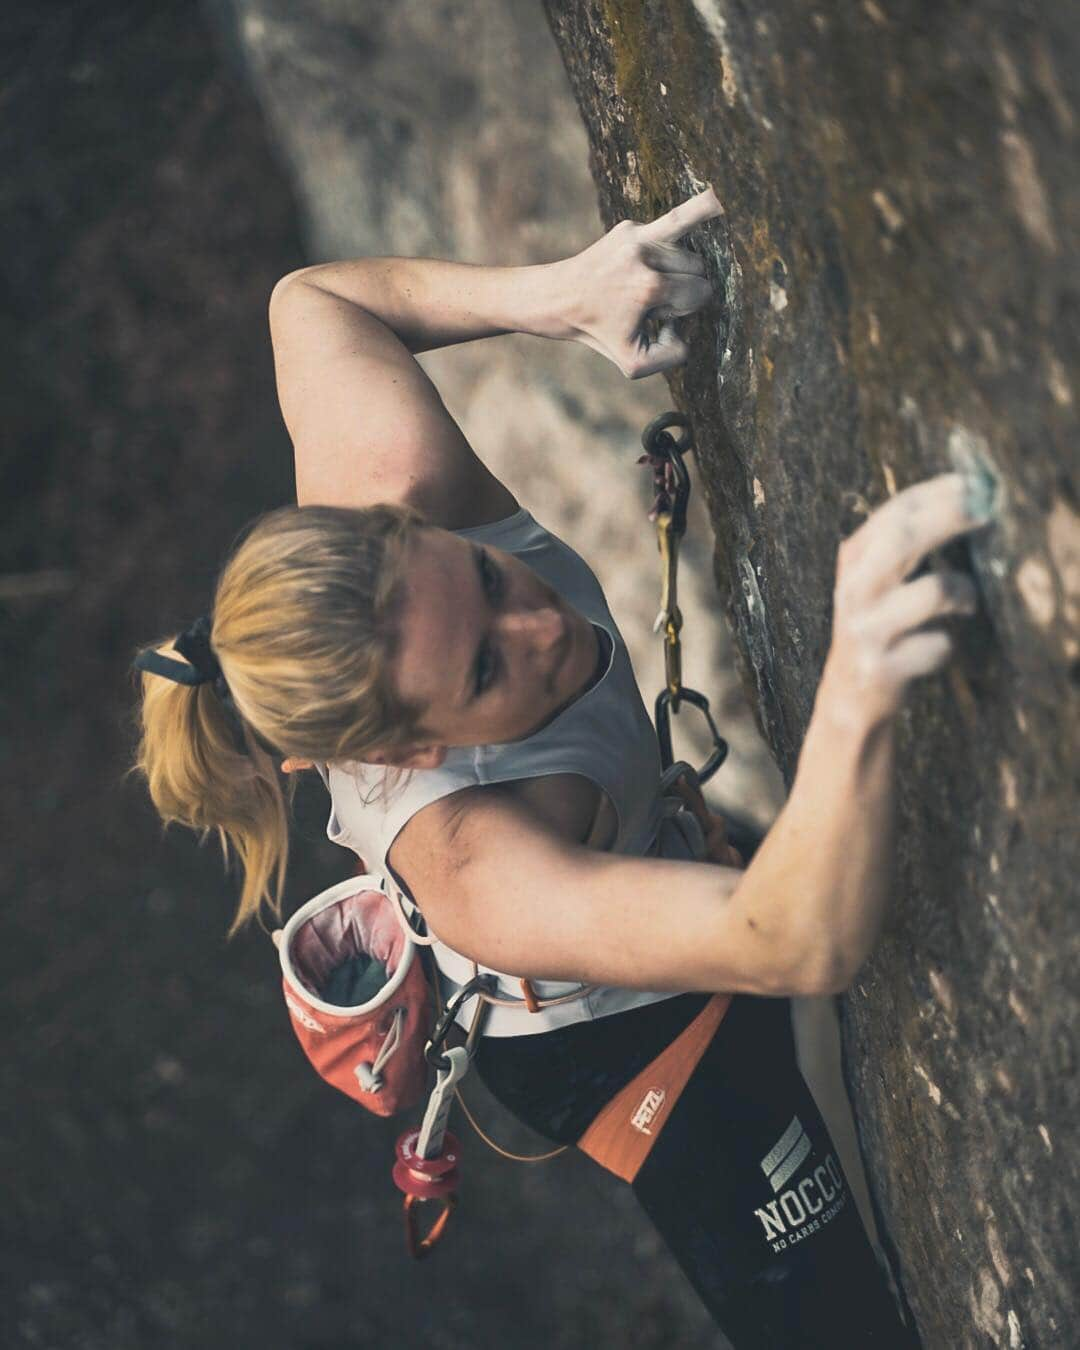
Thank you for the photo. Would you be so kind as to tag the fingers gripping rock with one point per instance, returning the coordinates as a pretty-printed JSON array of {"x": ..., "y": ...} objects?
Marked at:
[{"x": 879, "y": 644}]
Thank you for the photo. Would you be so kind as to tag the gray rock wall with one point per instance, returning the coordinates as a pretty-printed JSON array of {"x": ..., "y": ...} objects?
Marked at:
[{"x": 899, "y": 263}]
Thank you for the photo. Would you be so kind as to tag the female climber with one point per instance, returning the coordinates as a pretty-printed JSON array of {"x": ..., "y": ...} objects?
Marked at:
[{"x": 453, "y": 671}]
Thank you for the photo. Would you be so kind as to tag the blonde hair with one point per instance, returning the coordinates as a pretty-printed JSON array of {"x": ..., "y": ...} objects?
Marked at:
[{"x": 304, "y": 629}]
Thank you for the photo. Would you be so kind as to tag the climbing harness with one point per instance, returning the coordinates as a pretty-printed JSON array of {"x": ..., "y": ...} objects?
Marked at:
[{"x": 360, "y": 998}]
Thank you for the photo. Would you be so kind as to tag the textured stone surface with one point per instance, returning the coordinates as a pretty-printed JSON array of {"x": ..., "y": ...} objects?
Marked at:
[{"x": 900, "y": 274}]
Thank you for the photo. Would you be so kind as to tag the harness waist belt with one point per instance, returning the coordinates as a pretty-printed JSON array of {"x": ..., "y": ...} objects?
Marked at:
[{"x": 600, "y": 1001}]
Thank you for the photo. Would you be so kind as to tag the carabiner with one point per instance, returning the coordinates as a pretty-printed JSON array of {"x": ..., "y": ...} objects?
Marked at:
[
  {"x": 670, "y": 474},
  {"x": 665, "y": 704},
  {"x": 433, "y": 1049},
  {"x": 418, "y": 1246}
]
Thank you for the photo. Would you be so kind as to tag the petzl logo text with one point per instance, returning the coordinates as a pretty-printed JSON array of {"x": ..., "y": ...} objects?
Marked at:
[{"x": 644, "y": 1116}]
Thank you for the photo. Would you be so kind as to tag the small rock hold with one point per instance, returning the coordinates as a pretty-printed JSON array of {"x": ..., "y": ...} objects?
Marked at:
[
  {"x": 1036, "y": 586},
  {"x": 985, "y": 1308},
  {"x": 1058, "y": 383},
  {"x": 887, "y": 211},
  {"x": 1029, "y": 197},
  {"x": 942, "y": 992},
  {"x": 1008, "y": 785},
  {"x": 1063, "y": 541},
  {"x": 931, "y": 1087},
  {"x": 997, "y": 1255},
  {"x": 1018, "y": 1008},
  {"x": 970, "y": 455}
]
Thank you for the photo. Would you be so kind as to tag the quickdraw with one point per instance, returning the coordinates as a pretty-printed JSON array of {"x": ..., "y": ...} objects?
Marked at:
[
  {"x": 427, "y": 1158},
  {"x": 671, "y": 480}
]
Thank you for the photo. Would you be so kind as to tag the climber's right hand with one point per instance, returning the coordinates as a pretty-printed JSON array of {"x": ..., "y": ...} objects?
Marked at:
[{"x": 879, "y": 640}]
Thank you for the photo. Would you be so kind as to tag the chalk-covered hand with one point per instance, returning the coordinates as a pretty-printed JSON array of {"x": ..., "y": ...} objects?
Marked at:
[
  {"x": 634, "y": 274},
  {"x": 881, "y": 640}
]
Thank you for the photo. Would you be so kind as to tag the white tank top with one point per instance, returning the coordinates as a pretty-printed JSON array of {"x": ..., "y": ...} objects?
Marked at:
[{"x": 605, "y": 735}]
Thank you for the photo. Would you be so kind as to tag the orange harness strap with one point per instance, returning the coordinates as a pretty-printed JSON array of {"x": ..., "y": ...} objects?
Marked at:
[{"x": 620, "y": 1137}]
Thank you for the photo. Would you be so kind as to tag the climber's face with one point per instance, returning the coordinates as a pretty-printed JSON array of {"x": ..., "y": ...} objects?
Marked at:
[{"x": 486, "y": 647}]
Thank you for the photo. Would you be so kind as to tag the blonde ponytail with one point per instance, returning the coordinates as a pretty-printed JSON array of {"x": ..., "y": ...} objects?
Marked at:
[{"x": 304, "y": 631}]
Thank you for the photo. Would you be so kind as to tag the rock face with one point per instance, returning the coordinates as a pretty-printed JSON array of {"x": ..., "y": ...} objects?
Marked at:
[{"x": 899, "y": 263}]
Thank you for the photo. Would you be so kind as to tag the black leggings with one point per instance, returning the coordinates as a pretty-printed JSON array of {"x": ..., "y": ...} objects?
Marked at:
[{"x": 743, "y": 1183}]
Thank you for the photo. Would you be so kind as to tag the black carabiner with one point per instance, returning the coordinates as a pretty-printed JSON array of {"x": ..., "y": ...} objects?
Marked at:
[
  {"x": 433, "y": 1049},
  {"x": 660, "y": 444},
  {"x": 662, "y": 710}
]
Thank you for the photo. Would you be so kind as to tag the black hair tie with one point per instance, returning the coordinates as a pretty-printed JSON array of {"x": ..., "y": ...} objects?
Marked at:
[
  {"x": 193, "y": 643},
  {"x": 202, "y": 668}
]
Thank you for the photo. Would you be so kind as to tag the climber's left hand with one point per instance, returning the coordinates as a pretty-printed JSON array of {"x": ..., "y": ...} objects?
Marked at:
[{"x": 634, "y": 274}]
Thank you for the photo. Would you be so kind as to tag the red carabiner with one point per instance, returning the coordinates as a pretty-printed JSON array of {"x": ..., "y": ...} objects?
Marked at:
[
  {"x": 418, "y": 1246},
  {"x": 422, "y": 1180}
]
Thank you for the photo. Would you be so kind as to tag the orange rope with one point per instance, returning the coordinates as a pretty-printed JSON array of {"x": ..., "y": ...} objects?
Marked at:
[{"x": 514, "y": 1157}]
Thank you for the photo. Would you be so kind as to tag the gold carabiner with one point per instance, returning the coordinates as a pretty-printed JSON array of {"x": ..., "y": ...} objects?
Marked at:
[{"x": 670, "y": 616}]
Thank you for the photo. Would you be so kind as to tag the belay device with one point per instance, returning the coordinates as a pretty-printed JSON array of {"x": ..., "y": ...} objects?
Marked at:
[{"x": 369, "y": 1015}]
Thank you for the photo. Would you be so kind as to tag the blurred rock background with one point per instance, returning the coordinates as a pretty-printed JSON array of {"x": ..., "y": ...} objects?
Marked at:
[{"x": 175, "y": 1174}]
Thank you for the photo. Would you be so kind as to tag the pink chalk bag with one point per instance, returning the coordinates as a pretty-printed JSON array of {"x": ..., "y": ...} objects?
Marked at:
[
  {"x": 357, "y": 993},
  {"x": 362, "y": 1008}
]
